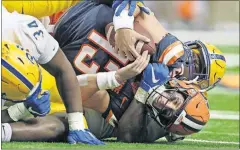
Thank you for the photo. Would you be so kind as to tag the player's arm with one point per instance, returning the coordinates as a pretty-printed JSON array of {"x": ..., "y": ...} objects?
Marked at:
[
  {"x": 91, "y": 83},
  {"x": 38, "y": 8},
  {"x": 126, "y": 37},
  {"x": 61, "y": 69}
]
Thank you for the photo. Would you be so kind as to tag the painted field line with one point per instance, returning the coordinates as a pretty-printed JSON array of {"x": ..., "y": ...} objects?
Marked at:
[
  {"x": 210, "y": 132},
  {"x": 232, "y": 60},
  {"x": 225, "y": 115},
  {"x": 215, "y": 142}
]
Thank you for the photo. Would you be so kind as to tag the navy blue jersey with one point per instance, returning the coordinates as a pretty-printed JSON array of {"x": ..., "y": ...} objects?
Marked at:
[{"x": 81, "y": 35}]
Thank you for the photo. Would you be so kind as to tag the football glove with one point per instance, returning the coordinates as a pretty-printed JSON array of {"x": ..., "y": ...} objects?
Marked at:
[
  {"x": 39, "y": 105},
  {"x": 123, "y": 3},
  {"x": 79, "y": 132},
  {"x": 154, "y": 75}
]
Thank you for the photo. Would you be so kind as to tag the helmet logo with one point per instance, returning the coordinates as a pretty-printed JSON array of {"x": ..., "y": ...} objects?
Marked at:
[{"x": 217, "y": 56}]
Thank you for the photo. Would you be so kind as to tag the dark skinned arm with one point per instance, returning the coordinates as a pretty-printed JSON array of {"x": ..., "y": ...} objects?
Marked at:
[{"x": 67, "y": 82}]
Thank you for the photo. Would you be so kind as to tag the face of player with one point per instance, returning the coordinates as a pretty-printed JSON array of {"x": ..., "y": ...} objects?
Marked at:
[
  {"x": 168, "y": 102},
  {"x": 195, "y": 68}
]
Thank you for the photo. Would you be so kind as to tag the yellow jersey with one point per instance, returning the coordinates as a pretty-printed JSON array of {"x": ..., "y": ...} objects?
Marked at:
[{"x": 38, "y": 8}]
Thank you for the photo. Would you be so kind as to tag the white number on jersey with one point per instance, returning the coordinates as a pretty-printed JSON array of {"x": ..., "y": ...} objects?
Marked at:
[{"x": 87, "y": 50}]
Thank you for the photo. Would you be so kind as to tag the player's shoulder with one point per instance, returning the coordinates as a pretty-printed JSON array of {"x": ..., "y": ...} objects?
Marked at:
[
  {"x": 91, "y": 10},
  {"x": 19, "y": 18}
]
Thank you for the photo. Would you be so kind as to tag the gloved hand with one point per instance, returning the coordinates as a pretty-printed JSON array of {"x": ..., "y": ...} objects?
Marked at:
[
  {"x": 155, "y": 74},
  {"x": 39, "y": 105},
  {"x": 123, "y": 3},
  {"x": 79, "y": 132}
]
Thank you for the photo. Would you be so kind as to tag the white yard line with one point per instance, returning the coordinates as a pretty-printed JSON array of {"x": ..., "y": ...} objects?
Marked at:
[
  {"x": 232, "y": 60},
  {"x": 215, "y": 142},
  {"x": 225, "y": 115},
  {"x": 210, "y": 132}
]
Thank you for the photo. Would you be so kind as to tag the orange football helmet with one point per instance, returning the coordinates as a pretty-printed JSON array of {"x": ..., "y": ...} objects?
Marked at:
[{"x": 192, "y": 113}]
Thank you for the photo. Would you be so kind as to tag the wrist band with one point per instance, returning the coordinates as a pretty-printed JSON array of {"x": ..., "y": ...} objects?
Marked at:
[
  {"x": 18, "y": 111},
  {"x": 107, "y": 80},
  {"x": 123, "y": 21}
]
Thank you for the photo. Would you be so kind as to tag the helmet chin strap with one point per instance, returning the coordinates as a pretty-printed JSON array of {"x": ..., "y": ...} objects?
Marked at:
[{"x": 192, "y": 81}]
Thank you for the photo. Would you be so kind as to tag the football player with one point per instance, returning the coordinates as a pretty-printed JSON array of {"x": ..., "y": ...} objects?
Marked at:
[
  {"x": 81, "y": 62},
  {"x": 196, "y": 61},
  {"x": 155, "y": 110},
  {"x": 28, "y": 32},
  {"x": 41, "y": 9},
  {"x": 200, "y": 63},
  {"x": 89, "y": 81}
]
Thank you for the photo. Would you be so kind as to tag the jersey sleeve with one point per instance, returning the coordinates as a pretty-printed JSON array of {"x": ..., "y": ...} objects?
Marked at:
[
  {"x": 32, "y": 35},
  {"x": 38, "y": 8}
]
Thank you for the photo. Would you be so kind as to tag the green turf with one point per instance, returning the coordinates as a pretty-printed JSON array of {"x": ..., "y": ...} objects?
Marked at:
[
  {"x": 229, "y": 49},
  {"x": 221, "y": 130},
  {"x": 225, "y": 101},
  {"x": 215, "y": 130},
  {"x": 232, "y": 69},
  {"x": 117, "y": 146}
]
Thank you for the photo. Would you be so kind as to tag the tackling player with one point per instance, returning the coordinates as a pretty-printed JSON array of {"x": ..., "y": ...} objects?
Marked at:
[
  {"x": 83, "y": 63},
  {"x": 165, "y": 106},
  {"x": 28, "y": 32},
  {"x": 200, "y": 63},
  {"x": 46, "y": 8}
]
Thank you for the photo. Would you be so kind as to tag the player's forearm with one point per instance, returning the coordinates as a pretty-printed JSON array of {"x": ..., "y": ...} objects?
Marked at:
[
  {"x": 66, "y": 79},
  {"x": 91, "y": 83},
  {"x": 69, "y": 90}
]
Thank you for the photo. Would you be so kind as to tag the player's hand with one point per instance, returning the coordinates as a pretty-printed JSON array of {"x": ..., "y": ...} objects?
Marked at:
[
  {"x": 125, "y": 40},
  {"x": 155, "y": 74},
  {"x": 79, "y": 132},
  {"x": 121, "y": 4},
  {"x": 39, "y": 105},
  {"x": 134, "y": 68}
]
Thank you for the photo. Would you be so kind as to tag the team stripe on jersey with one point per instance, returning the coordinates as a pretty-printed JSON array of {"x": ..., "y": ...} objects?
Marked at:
[
  {"x": 17, "y": 74},
  {"x": 172, "y": 53}
]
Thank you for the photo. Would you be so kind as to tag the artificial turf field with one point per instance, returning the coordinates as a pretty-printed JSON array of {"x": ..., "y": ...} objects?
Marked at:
[{"x": 217, "y": 134}]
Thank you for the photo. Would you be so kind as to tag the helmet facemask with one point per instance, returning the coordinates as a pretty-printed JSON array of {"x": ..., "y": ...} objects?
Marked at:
[
  {"x": 197, "y": 65},
  {"x": 163, "y": 104},
  {"x": 173, "y": 112}
]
